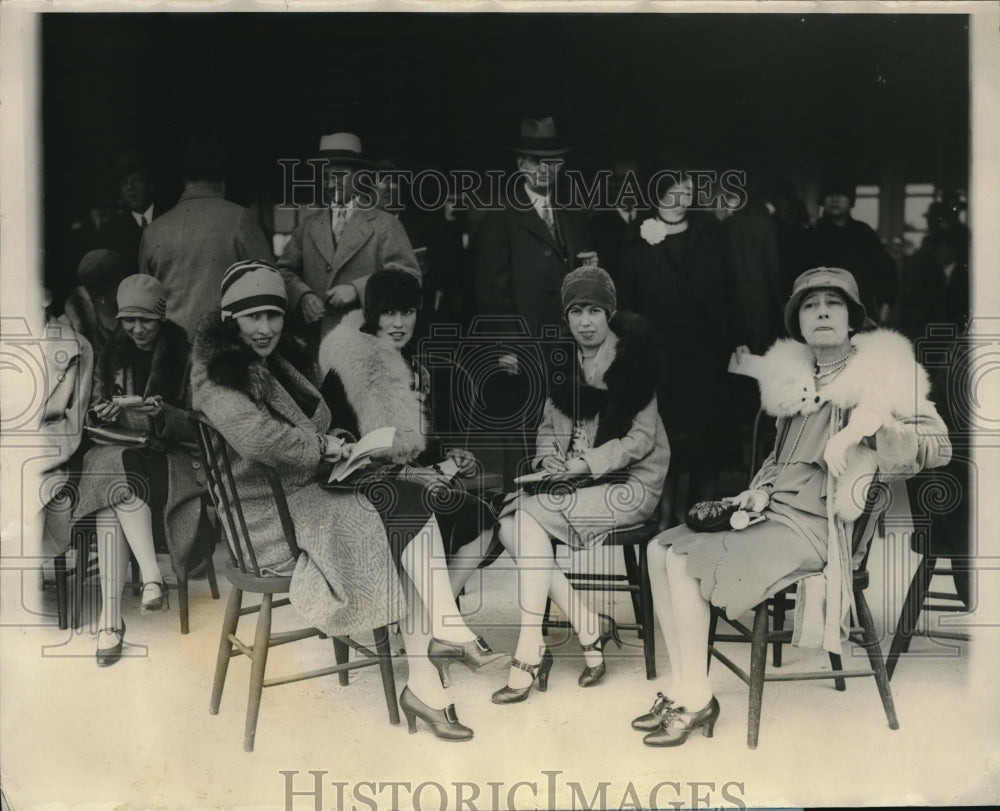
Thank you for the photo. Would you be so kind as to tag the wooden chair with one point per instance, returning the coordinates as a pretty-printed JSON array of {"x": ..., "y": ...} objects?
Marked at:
[
  {"x": 762, "y": 634},
  {"x": 245, "y": 575},
  {"x": 84, "y": 540},
  {"x": 632, "y": 541}
]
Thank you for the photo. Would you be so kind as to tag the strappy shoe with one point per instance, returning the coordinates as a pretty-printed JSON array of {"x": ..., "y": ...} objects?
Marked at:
[
  {"x": 443, "y": 723},
  {"x": 609, "y": 631},
  {"x": 161, "y": 602},
  {"x": 475, "y": 655},
  {"x": 653, "y": 720},
  {"x": 539, "y": 673},
  {"x": 678, "y": 724},
  {"x": 108, "y": 656}
]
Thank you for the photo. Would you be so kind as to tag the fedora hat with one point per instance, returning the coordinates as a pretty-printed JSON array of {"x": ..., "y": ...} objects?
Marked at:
[
  {"x": 342, "y": 148},
  {"x": 539, "y": 139}
]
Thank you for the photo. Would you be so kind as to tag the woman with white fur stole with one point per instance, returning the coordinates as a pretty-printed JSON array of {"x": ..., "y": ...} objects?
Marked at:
[{"x": 847, "y": 403}]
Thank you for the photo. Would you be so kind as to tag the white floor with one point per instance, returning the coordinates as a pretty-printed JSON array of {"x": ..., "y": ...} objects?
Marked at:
[{"x": 139, "y": 735}]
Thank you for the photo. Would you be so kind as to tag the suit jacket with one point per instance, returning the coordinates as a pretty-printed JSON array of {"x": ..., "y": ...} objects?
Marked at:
[
  {"x": 608, "y": 233},
  {"x": 370, "y": 240},
  {"x": 190, "y": 247},
  {"x": 517, "y": 264},
  {"x": 123, "y": 234}
]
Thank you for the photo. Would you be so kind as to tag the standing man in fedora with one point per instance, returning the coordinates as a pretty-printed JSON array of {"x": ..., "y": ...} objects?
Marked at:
[
  {"x": 332, "y": 252},
  {"x": 520, "y": 255}
]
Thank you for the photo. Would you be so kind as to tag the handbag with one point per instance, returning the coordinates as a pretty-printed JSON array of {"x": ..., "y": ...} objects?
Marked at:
[{"x": 720, "y": 516}]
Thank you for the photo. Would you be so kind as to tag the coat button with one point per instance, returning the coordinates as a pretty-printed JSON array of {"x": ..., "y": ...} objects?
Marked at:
[
  {"x": 196, "y": 465},
  {"x": 548, "y": 253}
]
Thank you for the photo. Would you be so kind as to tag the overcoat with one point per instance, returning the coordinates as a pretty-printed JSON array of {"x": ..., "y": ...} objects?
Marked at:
[
  {"x": 103, "y": 469},
  {"x": 345, "y": 580},
  {"x": 310, "y": 263}
]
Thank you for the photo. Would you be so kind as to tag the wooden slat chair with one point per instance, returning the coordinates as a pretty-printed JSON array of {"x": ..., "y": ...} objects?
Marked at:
[
  {"x": 632, "y": 541},
  {"x": 245, "y": 575},
  {"x": 762, "y": 634}
]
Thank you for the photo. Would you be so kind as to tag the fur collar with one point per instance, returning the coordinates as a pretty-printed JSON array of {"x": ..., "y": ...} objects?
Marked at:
[
  {"x": 882, "y": 377},
  {"x": 168, "y": 367},
  {"x": 230, "y": 363},
  {"x": 630, "y": 381},
  {"x": 378, "y": 383}
]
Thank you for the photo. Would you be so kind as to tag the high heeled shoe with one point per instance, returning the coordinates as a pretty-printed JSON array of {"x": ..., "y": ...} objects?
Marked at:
[
  {"x": 108, "y": 656},
  {"x": 158, "y": 603},
  {"x": 653, "y": 720},
  {"x": 609, "y": 631},
  {"x": 443, "y": 723},
  {"x": 475, "y": 655},
  {"x": 678, "y": 724},
  {"x": 539, "y": 674}
]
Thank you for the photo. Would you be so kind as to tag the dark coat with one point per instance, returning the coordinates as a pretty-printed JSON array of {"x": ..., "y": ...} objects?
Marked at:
[
  {"x": 608, "y": 233},
  {"x": 103, "y": 467},
  {"x": 345, "y": 580},
  {"x": 857, "y": 248},
  {"x": 519, "y": 267},
  {"x": 123, "y": 234},
  {"x": 690, "y": 305}
]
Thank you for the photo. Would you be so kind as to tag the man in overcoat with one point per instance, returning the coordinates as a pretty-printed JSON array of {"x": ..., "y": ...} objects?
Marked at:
[{"x": 333, "y": 251}]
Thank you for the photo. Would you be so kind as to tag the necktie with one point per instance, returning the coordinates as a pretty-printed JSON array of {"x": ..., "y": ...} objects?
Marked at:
[
  {"x": 143, "y": 222},
  {"x": 339, "y": 221},
  {"x": 549, "y": 220}
]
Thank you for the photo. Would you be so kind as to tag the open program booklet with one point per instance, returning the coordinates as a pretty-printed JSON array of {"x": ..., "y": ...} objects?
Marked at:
[{"x": 370, "y": 444}]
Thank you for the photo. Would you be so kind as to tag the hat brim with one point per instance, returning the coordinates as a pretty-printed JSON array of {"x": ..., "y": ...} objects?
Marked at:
[
  {"x": 856, "y": 313},
  {"x": 139, "y": 312},
  {"x": 337, "y": 157},
  {"x": 541, "y": 147}
]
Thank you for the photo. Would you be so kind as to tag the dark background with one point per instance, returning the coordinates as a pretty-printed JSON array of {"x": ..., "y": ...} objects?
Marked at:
[{"x": 789, "y": 92}]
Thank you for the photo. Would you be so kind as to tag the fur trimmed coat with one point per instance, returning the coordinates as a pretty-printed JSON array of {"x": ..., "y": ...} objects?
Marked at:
[
  {"x": 629, "y": 454},
  {"x": 369, "y": 384},
  {"x": 103, "y": 468},
  {"x": 345, "y": 580},
  {"x": 882, "y": 385}
]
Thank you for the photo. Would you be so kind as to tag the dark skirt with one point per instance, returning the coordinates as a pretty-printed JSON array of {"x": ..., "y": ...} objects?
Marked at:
[
  {"x": 147, "y": 475},
  {"x": 405, "y": 507}
]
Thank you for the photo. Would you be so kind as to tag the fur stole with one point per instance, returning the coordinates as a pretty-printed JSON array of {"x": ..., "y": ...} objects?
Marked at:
[
  {"x": 883, "y": 377},
  {"x": 230, "y": 363},
  {"x": 168, "y": 368},
  {"x": 378, "y": 384},
  {"x": 631, "y": 381}
]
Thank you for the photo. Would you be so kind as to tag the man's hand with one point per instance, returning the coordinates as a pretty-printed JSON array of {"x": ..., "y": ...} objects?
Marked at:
[
  {"x": 342, "y": 295},
  {"x": 312, "y": 308}
]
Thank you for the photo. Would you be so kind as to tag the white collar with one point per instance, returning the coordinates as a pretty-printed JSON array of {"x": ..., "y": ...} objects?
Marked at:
[
  {"x": 140, "y": 216},
  {"x": 537, "y": 200}
]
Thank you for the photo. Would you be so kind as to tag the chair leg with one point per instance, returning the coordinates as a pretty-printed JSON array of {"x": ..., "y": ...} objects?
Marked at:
[
  {"x": 545, "y": 616},
  {"x": 837, "y": 664},
  {"x": 780, "y": 607},
  {"x": 910, "y": 615},
  {"x": 646, "y": 602},
  {"x": 213, "y": 582},
  {"x": 83, "y": 539},
  {"x": 634, "y": 580},
  {"x": 136, "y": 578},
  {"x": 384, "y": 650},
  {"x": 341, "y": 652},
  {"x": 229, "y": 623},
  {"x": 62, "y": 589},
  {"x": 758, "y": 663},
  {"x": 182, "y": 600},
  {"x": 875, "y": 657},
  {"x": 261, "y": 640},
  {"x": 713, "y": 625}
]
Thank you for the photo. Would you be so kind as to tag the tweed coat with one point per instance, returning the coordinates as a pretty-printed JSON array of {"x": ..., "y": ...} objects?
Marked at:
[
  {"x": 189, "y": 248},
  {"x": 519, "y": 267},
  {"x": 345, "y": 579},
  {"x": 310, "y": 263},
  {"x": 103, "y": 469},
  {"x": 631, "y": 453}
]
